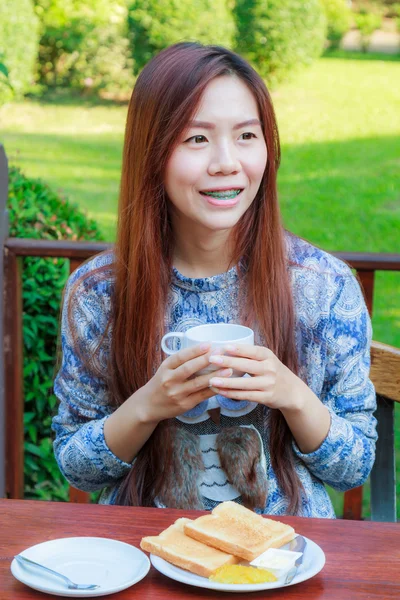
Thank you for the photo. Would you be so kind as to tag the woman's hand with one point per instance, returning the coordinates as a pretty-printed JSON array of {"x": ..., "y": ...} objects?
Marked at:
[
  {"x": 174, "y": 389},
  {"x": 271, "y": 382},
  {"x": 274, "y": 385}
]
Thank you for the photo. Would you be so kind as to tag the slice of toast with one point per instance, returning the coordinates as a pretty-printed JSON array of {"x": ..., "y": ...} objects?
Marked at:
[
  {"x": 237, "y": 530},
  {"x": 185, "y": 552}
]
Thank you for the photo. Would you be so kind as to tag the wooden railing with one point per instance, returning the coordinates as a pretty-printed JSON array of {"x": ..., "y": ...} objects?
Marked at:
[
  {"x": 3, "y": 235},
  {"x": 14, "y": 251},
  {"x": 366, "y": 264}
]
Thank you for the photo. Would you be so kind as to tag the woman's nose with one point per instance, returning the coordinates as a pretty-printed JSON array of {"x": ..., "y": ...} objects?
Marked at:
[{"x": 225, "y": 162}]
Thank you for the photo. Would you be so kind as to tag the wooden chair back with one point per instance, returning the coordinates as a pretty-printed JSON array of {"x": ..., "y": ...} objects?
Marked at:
[{"x": 385, "y": 374}]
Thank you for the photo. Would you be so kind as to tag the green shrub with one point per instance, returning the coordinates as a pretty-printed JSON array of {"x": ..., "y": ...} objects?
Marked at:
[
  {"x": 84, "y": 45},
  {"x": 155, "y": 24},
  {"x": 339, "y": 19},
  {"x": 6, "y": 89},
  {"x": 396, "y": 13},
  {"x": 279, "y": 35},
  {"x": 18, "y": 47},
  {"x": 372, "y": 6},
  {"x": 35, "y": 211},
  {"x": 367, "y": 23}
]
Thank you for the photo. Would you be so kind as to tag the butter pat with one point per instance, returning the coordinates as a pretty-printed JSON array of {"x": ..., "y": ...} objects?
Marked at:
[{"x": 278, "y": 562}]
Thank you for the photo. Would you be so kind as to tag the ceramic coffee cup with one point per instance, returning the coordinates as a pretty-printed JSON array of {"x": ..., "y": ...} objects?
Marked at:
[{"x": 217, "y": 334}]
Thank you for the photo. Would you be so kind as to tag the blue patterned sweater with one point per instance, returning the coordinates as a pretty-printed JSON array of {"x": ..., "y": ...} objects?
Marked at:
[{"x": 333, "y": 335}]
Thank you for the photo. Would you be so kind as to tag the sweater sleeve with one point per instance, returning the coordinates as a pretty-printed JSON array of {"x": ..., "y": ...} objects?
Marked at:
[
  {"x": 345, "y": 458},
  {"x": 80, "y": 448}
]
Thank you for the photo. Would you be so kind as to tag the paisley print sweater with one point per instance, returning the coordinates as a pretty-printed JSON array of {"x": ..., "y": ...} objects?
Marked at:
[{"x": 333, "y": 335}]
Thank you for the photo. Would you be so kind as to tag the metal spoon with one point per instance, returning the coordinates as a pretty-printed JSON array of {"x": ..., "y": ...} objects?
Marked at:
[
  {"x": 70, "y": 584},
  {"x": 297, "y": 545}
]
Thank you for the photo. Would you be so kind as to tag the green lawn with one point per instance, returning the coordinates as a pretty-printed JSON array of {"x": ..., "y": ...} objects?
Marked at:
[{"x": 339, "y": 182}]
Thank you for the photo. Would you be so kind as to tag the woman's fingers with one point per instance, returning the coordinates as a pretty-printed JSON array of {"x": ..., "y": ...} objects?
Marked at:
[
  {"x": 198, "y": 397},
  {"x": 203, "y": 381},
  {"x": 187, "y": 354},
  {"x": 250, "y": 395},
  {"x": 186, "y": 363},
  {"x": 245, "y": 365},
  {"x": 183, "y": 389},
  {"x": 248, "y": 351},
  {"x": 190, "y": 368},
  {"x": 241, "y": 383}
]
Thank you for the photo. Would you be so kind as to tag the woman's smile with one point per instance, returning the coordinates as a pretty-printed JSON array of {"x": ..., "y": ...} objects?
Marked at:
[{"x": 223, "y": 198}]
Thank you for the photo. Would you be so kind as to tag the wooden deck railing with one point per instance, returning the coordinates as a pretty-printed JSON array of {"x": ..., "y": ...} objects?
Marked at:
[
  {"x": 366, "y": 264},
  {"x": 14, "y": 251},
  {"x": 3, "y": 235}
]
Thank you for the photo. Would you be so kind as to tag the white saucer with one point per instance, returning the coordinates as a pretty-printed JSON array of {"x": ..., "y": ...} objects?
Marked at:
[{"x": 112, "y": 565}]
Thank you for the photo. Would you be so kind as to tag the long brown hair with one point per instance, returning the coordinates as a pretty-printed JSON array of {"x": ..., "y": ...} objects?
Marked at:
[{"x": 166, "y": 96}]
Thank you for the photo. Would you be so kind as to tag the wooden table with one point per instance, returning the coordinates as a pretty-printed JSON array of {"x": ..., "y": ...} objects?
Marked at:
[{"x": 362, "y": 558}]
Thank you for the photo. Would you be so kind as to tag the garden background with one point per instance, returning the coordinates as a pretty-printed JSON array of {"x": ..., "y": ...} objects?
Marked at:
[{"x": 66, "y": 72}]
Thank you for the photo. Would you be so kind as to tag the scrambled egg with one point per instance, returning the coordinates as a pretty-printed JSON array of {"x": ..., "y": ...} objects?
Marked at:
[{"x": 241, "y": 574}]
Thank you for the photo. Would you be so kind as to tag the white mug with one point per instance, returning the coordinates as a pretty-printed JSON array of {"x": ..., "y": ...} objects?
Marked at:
[{"x": 217, "y": 334}]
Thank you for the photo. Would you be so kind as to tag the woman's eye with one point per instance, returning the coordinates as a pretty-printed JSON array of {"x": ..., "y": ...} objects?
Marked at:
[
  {"x": 248, "y": 135},
  {"x": 197, "y": 139}
]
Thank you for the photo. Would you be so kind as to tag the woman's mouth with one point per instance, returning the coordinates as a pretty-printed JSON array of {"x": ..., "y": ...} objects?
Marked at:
[
  {"x": 223, "y": 194},
  {"x": 223, "y": 198}
]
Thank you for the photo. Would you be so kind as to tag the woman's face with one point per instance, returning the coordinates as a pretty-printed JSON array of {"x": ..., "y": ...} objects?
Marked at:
[{"x": 215, "y": 171}]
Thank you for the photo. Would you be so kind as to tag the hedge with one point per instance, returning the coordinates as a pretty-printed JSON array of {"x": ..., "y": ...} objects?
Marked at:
[
  {"x": 339, "y": 20},
  {"x": 18, "y": 47},
  {"x": 84, "y": 45},
  {"x": 156, "y": 24},
  {"x": 279, "y": 35},
  {"x": 35, "y": 211}
]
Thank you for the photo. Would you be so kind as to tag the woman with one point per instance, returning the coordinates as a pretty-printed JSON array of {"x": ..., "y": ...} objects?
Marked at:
[{"x": 200, "y": 240}]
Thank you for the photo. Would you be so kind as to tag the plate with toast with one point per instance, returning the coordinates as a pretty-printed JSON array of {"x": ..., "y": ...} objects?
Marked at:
[{"x": 215, "y": 551}]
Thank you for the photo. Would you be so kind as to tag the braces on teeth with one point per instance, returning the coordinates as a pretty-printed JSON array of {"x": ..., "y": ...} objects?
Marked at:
[{"x": 223, "y": 194}]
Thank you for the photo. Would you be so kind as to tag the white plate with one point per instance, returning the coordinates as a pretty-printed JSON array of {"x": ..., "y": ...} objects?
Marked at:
[
  {"x": 111, "y": 564},
  {"x": 313, "y": 562}
]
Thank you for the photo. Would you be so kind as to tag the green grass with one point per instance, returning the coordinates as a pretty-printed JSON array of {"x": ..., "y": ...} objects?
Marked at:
[
  {"x": 76, "y": 148},
  {"x": 339, "y": 181}
]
